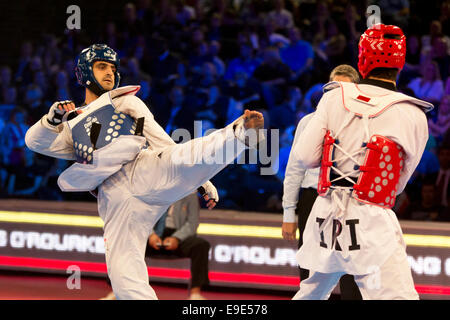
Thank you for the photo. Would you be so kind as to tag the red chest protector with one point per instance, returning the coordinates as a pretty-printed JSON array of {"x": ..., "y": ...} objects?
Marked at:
[
  {"x": 326, "y": 164},
  {"x": 379, "y": 174}
]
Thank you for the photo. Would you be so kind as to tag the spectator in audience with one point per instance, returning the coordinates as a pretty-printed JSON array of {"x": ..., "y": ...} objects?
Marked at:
[
  {"x": 349, "y": 27},
  {"x": 414, "y": 48},
  {"x": 429, "y": 86},
  {"x": 140, "y": 49},
  {"x": 447, "y": 86},
  {"x": 34, "y": 102},
  {"x": 181, "y": 78},
  {"x": 443, "y": 177},
  {"x": 49, "y": 186},
  {"x": 62, "y": 86},
  {"x": 299, "y": 56},
  {"x": 272, "y": 37},
  {"x": 215, "y": 31},
  {"x": 333, "y": 45},
  {"x": 395, "y": 12},
  {"x": 135, "y": 76},
  {"x": 196, "y": 37},
  {"x": 244, "y": 63},
  {"x": 26, "y": 183},
  {"x": 286, "y": 139},
  {"x": 110, "y": 35},
  {"x": 34, "y": 65},
  {"x": 204, "y": 79},
  {"x": 439, "y": 127},
  {"x": 284, "y": 115},
  {"x": 175, "y": 234},
  {"x": 5, "y": 81},
  {"x": 439, "y": 45},
  {"x": 50, "y": 52},
  {"x": 312, "y": 96},
  {"x": 165, "y": 14},
  {"x": 428, "y": 165},
  {"x": 26, "y": 54},
  {"x": 317, "y": 27},
  {"x": 8, "y": 103},
  {"x": 185, "y": 13},
  {"x": 13, "y": 140},
  {"x": 213, "y": 108},
  {"x": 175, "y": 113},
  {"x": 76, "y": 92},
  {"x": 161, "y": 63},
  {"x": 41, "y": 81},
  {"x": 199, "y": 57},
  {"x": 214, "y": 49},
  {"x": 444, "y": 18},
  {"x": 273, "y": 75},
  {"x": 3, "y": 171},
  {"x": 413, "y": 61},
  {"x": 426, "y": 208},
  {"x": 281, "y": 17},
  {"x": 436, "y": 34},
  {"x": 144, "y": 12},
  {"x": 446, "y": 140},
  {"x": 130, "y": 26},
  {"x": 242, "y": 95}
]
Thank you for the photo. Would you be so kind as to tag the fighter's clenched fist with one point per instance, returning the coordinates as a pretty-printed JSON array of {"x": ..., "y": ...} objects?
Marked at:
[{"x": 58, "y": 110}]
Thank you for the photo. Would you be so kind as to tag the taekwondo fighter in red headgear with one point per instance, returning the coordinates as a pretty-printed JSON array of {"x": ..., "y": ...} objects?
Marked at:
[{"x": 367, "y": 138}]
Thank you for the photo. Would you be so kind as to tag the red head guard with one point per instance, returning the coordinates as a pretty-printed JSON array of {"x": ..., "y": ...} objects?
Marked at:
[{"x": 381, "y": 46}]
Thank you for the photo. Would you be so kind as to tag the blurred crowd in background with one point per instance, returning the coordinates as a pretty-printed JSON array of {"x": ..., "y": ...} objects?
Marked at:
[{"x": 208, "y": 60}]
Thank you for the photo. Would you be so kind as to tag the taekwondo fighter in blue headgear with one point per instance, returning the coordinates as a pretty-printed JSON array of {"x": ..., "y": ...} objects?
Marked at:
[{"x": 134, "y": 167}]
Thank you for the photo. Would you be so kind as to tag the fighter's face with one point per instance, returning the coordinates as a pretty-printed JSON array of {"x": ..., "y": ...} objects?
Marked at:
[{"x": 104, "y": 74}]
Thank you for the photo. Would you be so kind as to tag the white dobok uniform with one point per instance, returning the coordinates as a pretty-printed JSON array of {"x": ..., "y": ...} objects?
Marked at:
[
  {"x": 138, "y": 177},
  {"x": 344, "y": 235}
]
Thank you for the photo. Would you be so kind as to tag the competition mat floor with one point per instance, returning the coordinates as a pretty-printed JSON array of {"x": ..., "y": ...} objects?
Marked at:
[{"x": 34, "y": 286}]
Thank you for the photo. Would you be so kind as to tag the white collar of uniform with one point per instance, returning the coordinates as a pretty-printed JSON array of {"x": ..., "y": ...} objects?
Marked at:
[
  {"x": 122, "y": 91},
  {"x": 102, "y": 101},
  {"x": 371, "y": 104}
]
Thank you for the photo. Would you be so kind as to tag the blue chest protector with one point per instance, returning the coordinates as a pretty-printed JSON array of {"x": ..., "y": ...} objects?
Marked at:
[{"x": 100, "y": 125}]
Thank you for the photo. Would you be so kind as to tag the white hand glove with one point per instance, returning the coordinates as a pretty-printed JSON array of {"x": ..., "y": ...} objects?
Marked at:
[
  {"x": 58, "y": 110},
  {"x": 210, "y": 191}
]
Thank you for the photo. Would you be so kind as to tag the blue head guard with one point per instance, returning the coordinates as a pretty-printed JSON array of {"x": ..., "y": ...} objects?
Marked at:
[{"x": 86, "y": 59}]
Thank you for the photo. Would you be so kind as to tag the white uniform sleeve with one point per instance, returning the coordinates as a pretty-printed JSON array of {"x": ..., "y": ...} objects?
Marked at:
[
  {"x": 294, "y": 176},
  {"x": 412, "y": 135},
  {"x": 51, "y": 141},
  {"x": 311, "y": 138},
  {"x": 153, "y": 132}
]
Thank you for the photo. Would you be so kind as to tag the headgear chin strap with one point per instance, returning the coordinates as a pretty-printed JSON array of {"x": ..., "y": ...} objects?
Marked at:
[{"x": 96, "y": 88}]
